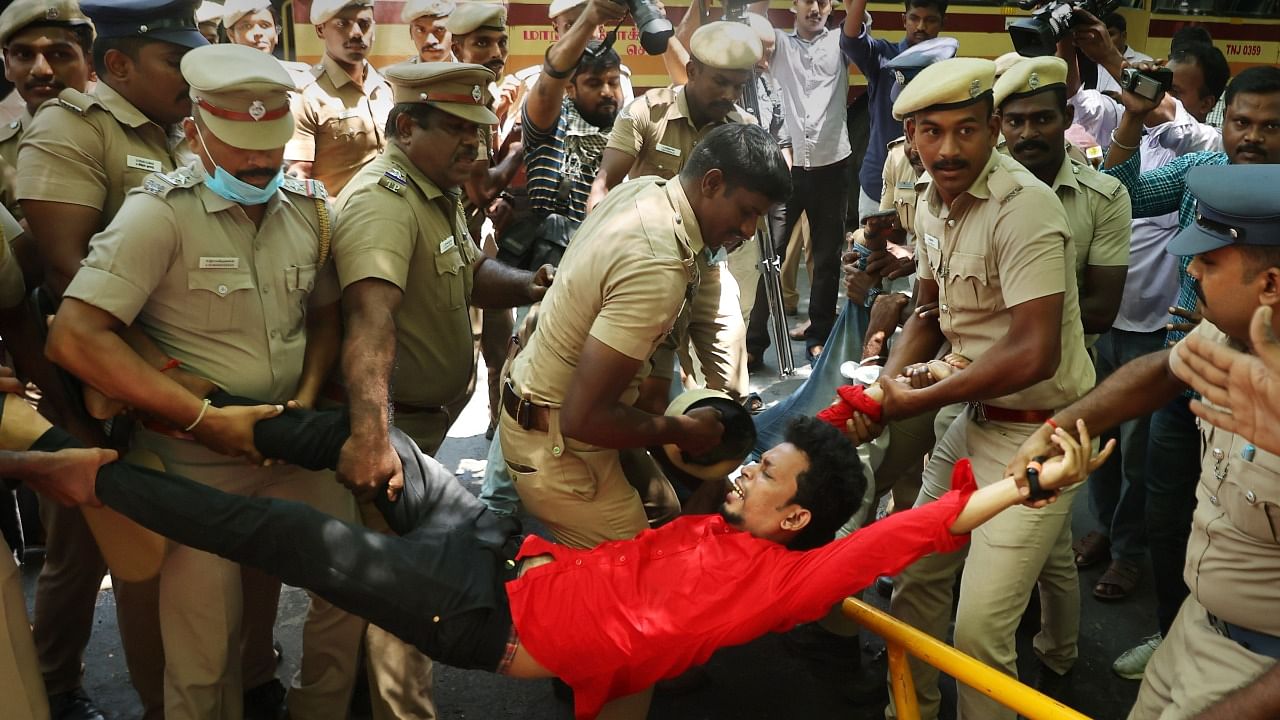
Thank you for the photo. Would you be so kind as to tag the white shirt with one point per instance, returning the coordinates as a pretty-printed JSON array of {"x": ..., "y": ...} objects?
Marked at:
[
  {"x": 814, "y": 76},
  {"x": 1151, "y": 284}
]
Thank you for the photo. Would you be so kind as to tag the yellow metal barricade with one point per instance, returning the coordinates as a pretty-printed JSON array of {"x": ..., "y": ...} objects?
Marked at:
[{"x": 903, "y": 640}]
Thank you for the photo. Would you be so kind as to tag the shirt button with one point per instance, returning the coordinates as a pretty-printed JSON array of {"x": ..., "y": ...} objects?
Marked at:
[
  {"x": 1213, "y": 500},
  {"x": 577, "y": 562},
  {"x": 435, "y": 618},
  {"x": 622, "y": 558},
  {"x": 951, "y": 223},
  {"x": 1250, "y": 497},
  {"x": 556, "y": 451},
  {"x": 266, "y": 290},
  {"x": 222, "y": 289},
  {"x": 943, "y": 307},
  {"x": 659, "y": 553}
]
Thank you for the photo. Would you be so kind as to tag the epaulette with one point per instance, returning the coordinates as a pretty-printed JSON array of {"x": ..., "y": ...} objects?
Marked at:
[
  {"x": 895, "y": 143},
  {"x": 394, "y": 179},
  {"x": 1098, "y": 182},
  {"x": 307, "y": 188},
  {"x": 10, "y": 129},
  {"x": 161, "y": 184},
  {"x": 76, "y": 101},
  {"x": 1002, "y": 184}
]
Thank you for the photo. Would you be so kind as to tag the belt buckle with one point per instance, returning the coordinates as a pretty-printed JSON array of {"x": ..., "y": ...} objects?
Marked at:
[{"x": 979, "y": 412}]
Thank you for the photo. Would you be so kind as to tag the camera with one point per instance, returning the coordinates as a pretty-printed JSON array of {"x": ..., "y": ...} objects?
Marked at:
[
  {"x": 655, "y": 29},
  {"x": 1039, "y": 34},
  {"x": 1149, "y": 85}
]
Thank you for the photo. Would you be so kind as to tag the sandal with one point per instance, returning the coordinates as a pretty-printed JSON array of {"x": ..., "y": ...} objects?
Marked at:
[
  {"x": 1091, "y": 549},
  {"x": 753, "y": 403},
  {"x": 1119, "y": 581}
]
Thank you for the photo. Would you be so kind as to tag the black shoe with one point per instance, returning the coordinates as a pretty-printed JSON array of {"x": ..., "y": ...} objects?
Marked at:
[
  {"x": 73, "y": 705},
  {"x": 821, "y": 647},
  {"x": 266, "y": 701},
  {"x": 884, "y": 586},
  {"x": 1055, "y": 685}
]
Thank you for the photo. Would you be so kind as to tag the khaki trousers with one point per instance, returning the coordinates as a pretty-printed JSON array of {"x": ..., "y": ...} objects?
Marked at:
[
  {"x": 1193, "y": 668},
  {"x": 1006, "y": 557},
  {"x": 21, "y": 687},
  {"x": 744, "y": 265},
  {"x": 797, "y": 248},
  {"x": 200, "y": 599}
]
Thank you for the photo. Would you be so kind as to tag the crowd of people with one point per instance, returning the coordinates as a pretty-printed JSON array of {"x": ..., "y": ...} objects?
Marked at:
[{"x": 245, "y": 299}]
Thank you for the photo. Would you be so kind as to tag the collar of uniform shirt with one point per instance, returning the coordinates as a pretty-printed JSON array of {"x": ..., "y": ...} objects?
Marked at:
[
  {"x": 978, "y": 190},
  {"x": 339, "y": 77},
  {"x": 1066, "y": 177},
  {"x": 688, "y": 221},
  {"x": 122, "y": 109},
  {"x": 429, "y": 189}
]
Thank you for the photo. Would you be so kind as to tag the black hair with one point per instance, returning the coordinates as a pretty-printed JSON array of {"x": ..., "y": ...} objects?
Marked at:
[
  {"x": 1212, "y": 63},
  {"x": 1116, "y": 21},
  {"x": 831, "y": 489},
  {"x": 940, "y": 5},
  {"x": 1188, "y": 34},
  {"x": 748, "y": 157},
  {"x": 1258, "y": 258},
  {"x": 127, "y": 45},
  {"x": 1259, "y": 80},
  {"x": 595, "y": 60},
  {"x": 420, "y": 113},
  {"x": 83, "y": 33}
]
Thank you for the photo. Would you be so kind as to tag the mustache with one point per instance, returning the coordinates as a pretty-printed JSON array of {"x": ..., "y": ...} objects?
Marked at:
[
  {"x": 1251, "y": 148},
  {"x": 1030, "y": 145},
  {"x": 956, "y": 164},
  {"x": 255, "y": 173},
  {"x": 51, "y": 84},
  {"x": 1195, "y": 285}
]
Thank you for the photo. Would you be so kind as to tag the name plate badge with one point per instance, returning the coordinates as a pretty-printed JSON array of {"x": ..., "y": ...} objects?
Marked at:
[
  {"x": 673, "y": 151},
  {"x": 141, "y": 163},
  {"x": 447, "y": 244},
  {"x": 932, "y": 242},
  {"x": 219, "y": 263}
]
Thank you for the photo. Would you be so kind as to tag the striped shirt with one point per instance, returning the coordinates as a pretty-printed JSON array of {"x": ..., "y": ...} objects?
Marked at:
[
  {"x": 1163, "y": 190},
  {"x": 561, "y": 163}
]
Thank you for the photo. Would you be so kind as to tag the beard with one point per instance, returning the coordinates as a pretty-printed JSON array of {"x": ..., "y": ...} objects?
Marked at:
[{"x": 602, "y": 116}]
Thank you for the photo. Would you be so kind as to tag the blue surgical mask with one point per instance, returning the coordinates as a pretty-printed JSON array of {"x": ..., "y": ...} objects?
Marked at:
[
  {"x": 226, "y": 185},
  {"x": 718, "y": 255}
]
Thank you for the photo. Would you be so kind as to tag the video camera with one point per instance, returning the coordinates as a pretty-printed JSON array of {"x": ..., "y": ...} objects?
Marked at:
[
  {"x": 1039, "y": 34},
  {"x": 1149, "y": 85},
  {"x": 655, "y": 29}
]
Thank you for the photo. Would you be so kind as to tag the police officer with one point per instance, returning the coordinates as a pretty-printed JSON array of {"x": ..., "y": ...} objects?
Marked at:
[
  {"x": 76, "y": 161},
  {"x": 208, "y": 18},
  {"x": 225, "y": 270},
  {"x": 409, "y": 270},
  {"x": 654, "y": 135},
  {"x": 994, "y": 250},
  {"x": 570, "y": 404},
  {"x": 48, "y": 46},
  {"x": 426, "y": 20},
  {"x": 341, "y": 113},
  {"x": 1226, "y": 632}
]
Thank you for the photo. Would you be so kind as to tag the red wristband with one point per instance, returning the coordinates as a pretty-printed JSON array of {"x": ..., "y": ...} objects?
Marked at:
[
  {"x": 1051, "y": 423},
  {"x": 172, "y": 364}
]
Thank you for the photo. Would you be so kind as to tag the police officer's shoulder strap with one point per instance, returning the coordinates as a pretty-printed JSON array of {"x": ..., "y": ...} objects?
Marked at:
[
  {"x": 895, "y": 143},
  {"x": 10, "y": 129},
  {"x": 1099, "y": 182},
  {"x": 394, "y": 179},
  {"x": 161, "y": 184},
  {"x": 1002, "y": 184},
  {"x": 76, "y": 101},
  {"x": 314, "y": 189}
]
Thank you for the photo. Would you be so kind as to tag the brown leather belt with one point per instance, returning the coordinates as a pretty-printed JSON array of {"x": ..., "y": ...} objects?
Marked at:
[
  {"x": 983, "y": 412},
  {"x": 526, "y": 414}
]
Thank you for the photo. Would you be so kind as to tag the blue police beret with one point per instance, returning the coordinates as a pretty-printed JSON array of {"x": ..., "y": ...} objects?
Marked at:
[
  {"x": 168, "y": 20},
  {"x": 1237, "y": 205}
]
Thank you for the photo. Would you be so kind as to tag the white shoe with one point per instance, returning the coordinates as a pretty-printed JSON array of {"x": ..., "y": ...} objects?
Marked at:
[{"x": 1133, "y": 662}]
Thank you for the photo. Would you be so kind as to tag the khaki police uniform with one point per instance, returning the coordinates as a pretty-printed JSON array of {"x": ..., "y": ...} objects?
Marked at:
[
  {"x": 396, "y": 225},
  {"x": 10, "y": 136},
  {"x": 657, "y": 131},
  {"x": 340, "y": 124},
  {"x": 1001, "y": 243},
  {"x": 20, "y": 683},
  {"x": 623, "y": 281},
  {"x": 1232, "y": 569},
  {"x": 89, "y": 149},
  {"x": 229, "y": 301}
]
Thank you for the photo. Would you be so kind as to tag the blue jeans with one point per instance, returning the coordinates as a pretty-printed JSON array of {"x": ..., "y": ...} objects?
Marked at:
[
  {"x": 1173, "y": 470},
  {"x": 1117, "y": 490},
  {"x": 497, "y": 491}
]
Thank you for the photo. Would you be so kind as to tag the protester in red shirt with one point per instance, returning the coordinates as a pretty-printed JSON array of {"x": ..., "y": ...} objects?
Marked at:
[{"x": 645, "y": 609}]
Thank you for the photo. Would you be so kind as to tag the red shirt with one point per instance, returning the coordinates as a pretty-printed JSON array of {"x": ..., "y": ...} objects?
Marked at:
[{"x": 613, "y": 620}]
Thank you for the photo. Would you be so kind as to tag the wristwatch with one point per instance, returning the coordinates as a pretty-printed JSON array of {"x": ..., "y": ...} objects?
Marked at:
[{"x": 871, "y": 297}]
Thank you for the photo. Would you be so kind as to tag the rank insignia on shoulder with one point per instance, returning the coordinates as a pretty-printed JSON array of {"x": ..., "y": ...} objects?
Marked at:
[
  {"x": 154, "y": 185},
  {"x": 398, "y": 175},
  {"x": 395, "y": 187},
  {"x": 307, "y": 188},
  {"x": 71, "y": 106}
]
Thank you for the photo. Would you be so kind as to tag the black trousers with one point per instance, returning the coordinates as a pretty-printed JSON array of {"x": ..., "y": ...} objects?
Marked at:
[
  {"x": 823, "y": 193},
  {"x": 439, "y": 585}
]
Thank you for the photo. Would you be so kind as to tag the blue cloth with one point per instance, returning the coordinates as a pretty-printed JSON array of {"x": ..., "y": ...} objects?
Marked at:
[
  {"x": 1237, "y": 204},
  {"x": 171, "y": 21},
  {"x": 819, "y": 389},
  {"x": 872, "y": 55}
]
